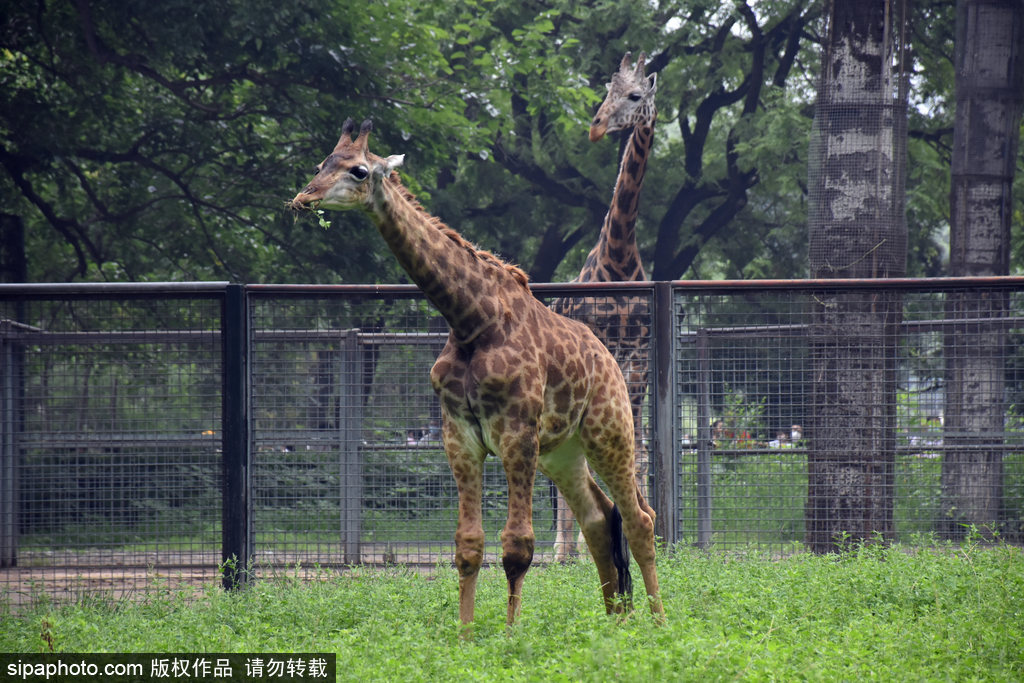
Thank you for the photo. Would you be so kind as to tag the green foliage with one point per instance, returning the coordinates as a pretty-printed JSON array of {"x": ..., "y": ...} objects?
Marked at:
[
  {"x": 180, "y": 168},
  {"x": 140, "y": 143},
  {"x": 758, "y": 497},
  {"x": 743, "y": 419},
  {"x": 876, "y": 613}
]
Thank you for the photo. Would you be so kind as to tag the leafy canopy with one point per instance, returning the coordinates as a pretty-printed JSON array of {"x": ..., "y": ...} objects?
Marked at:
[{"x": 159, "y": 141}]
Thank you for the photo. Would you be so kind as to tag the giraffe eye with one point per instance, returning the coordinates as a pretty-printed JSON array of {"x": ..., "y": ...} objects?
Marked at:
[
  {"x": 358, "y": 172},
  {"x": 634, "y": 97}
]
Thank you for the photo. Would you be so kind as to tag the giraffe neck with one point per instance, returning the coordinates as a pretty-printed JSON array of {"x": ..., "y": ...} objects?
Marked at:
[
  {"x": 615, "y": 256},
  {"x": 469, "y": 287}
]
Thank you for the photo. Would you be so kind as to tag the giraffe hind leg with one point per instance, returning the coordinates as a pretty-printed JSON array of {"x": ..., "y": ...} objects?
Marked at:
[
  {"x": 638, "y": 530},
  {"x": 612, "y": 459},
  {"x": 592, "y": 508}
]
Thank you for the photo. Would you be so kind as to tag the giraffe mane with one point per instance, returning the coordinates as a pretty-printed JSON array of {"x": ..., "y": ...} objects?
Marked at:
[{"x": 514, "y": 271}]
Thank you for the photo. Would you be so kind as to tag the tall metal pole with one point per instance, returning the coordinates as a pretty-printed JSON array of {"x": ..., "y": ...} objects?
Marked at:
[
  {"x": 666, "y": 412},
  {"x": 236, "y": 524}
]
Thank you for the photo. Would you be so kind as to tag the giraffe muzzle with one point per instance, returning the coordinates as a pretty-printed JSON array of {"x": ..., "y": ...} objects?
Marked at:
[{"x": 302, "y": 201}]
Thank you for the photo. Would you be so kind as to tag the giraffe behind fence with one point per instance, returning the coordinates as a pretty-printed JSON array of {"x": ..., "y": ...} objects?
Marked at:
[{"x": 623, "y": 324}]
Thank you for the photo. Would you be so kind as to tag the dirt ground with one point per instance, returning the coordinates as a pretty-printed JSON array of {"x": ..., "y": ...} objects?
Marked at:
[{"x": 70, "y": 576}]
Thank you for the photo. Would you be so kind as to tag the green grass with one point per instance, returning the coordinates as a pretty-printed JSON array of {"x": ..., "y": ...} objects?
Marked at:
[{"x": 945, "y": 613}]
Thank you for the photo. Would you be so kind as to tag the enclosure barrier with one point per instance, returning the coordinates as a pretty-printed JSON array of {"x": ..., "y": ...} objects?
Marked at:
[{"x": 184, "y": 433}]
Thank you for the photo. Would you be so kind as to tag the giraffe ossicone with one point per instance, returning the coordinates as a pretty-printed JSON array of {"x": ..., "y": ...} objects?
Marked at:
[{"x": 514, "y": 379}]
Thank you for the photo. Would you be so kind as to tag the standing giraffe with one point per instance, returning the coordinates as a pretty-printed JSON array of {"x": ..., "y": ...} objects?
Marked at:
[
  {"x": 514, "y": 379},
  {"x": 623, "y": 324}
]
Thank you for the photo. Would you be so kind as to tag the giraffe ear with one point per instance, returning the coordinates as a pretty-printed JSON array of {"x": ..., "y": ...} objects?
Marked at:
[
  {"x": 652, "y": 83},
  {"x": 384, "y": 167}
]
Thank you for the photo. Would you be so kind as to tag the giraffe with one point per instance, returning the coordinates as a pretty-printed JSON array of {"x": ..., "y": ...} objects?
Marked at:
[
  {"x": 623, "y": 325},
  {"x": 515, "y": 380}
]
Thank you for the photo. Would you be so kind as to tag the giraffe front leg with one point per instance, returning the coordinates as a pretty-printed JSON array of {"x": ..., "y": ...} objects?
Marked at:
[
  {"x": 517, "y": 538},
  {"x": 517, "y": 554},
  {"x": 467, "y": 469},
  {"x": 469, "y": 553}
]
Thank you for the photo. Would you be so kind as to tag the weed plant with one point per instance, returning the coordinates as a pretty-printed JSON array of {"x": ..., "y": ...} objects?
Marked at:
[{"x": 938, "y": 612}]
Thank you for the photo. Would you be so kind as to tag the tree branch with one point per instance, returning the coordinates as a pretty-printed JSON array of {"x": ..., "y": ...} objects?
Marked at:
[{"x": 71, "y": 231}]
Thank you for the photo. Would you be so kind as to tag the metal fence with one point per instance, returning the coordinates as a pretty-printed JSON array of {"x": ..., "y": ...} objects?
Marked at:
[{"x": 153, "y": 433}]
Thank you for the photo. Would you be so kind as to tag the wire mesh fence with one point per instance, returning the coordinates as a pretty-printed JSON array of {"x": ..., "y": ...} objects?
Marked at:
[
  {"x": 943, "y": 387},
  {"x": 119, "y": 451},
  {"x": 111, "y": 448}
]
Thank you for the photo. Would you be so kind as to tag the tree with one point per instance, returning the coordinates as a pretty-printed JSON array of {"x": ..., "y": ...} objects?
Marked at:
[
  {"x": 149, "y": 143},
  {"x": 730, "y": 102},
  {"x": 153, "y": 141},
  {"x": 856, "y": 229},
  {"x": 989, "y": 95},
  {"x": 13, "y": 265}
]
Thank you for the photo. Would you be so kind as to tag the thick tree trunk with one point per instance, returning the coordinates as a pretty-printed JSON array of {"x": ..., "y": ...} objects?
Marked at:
[
  {"x": 972, "y": 465},
  {"x": 856, "y": 229},
  {"x": 989, "y": 87}
]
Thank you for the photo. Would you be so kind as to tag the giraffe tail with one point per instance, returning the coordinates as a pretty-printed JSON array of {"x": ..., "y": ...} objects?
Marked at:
[{"x": 620, "y": 552}]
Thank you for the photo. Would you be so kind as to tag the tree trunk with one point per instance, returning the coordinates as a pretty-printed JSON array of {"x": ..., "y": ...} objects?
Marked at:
[
  {"x": 988, "y": 109},
  {"x": 856, "y": 229},
  {"x": 13, "y": 263}
]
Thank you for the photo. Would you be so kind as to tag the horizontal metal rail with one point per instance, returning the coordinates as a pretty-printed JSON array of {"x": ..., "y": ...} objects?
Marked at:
[
  {"x": 43, "y": 337},
  {"x": 49, "y": 290}
]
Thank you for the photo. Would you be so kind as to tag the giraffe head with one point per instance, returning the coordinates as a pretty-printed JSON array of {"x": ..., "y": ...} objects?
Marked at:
[
  {"x": 630, "y": 99},
  {"x": 350, "y": 177}
]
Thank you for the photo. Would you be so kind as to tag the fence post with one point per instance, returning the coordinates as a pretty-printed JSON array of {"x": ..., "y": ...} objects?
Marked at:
[
  {"x": 704, "y": 441},
  {"x": 350, "y": 424},
  {"x": 9, "y": 395},
  {"x": 666, "y": 414},
  {"x": 236, "y": 520}
]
